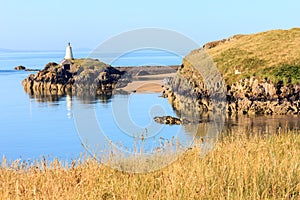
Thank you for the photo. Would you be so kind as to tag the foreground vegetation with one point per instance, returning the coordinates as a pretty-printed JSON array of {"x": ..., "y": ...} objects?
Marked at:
[{"x": 240, "y": 167}]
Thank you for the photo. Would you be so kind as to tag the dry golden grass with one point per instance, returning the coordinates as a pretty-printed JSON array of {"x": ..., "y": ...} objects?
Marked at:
[
  {"x": 259, "y": 54},
  {"x": 240, "y": 167}
]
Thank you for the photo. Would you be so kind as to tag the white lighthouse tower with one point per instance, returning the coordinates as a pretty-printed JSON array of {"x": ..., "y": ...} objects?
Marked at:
[{"x": 69, "y": 54}]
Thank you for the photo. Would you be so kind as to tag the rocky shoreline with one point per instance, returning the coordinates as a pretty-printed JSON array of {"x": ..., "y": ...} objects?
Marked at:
[
  {"x": 188, "y": 93},
  {"x": 248, "y": 96}
]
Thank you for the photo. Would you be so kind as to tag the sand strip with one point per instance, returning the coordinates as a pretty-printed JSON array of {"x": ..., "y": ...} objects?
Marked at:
[{"x": 150, "y": 83}]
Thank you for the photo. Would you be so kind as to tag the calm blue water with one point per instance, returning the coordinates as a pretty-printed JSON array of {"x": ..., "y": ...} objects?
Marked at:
[{"x": 30, "y": 129}]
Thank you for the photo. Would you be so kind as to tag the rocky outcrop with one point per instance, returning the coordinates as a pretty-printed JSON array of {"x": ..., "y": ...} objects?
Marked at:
[
  {"x": 196, "y": 93},
  {"x": 53, "y": 79},
  {"x": 251, "y": 96},
  {"x": 20, "y": 67},
  {"x": 248, "y": 96},
  {"x": 84, "y": 76},
  {"x": 174, "y": 120},
  {"x": 167, "y": 120},
  {"x": 188, "y": 93}
]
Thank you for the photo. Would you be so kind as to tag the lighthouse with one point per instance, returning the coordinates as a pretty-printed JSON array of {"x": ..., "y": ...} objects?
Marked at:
[{"x": 69, "y": 54}]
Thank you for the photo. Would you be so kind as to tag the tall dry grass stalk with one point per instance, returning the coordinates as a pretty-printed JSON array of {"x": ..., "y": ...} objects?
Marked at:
[{"x": 240, "y": 167}]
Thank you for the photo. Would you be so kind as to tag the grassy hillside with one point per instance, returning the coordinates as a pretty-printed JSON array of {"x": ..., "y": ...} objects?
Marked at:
[{"x": 273, "y": 54}]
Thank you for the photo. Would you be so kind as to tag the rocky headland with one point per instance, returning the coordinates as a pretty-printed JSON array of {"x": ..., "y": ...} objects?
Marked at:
[{"x": 260, "y": 75}]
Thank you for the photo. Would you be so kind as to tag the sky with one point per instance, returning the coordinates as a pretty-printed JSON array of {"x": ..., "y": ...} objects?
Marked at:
[{"x": 50, "y": 25}]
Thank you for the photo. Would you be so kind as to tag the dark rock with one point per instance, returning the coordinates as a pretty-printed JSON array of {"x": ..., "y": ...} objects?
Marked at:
[
  {"x": 167, "y": 120},
  {"x": 50, "y": 65},
  {"x": 20, "y": 67}
]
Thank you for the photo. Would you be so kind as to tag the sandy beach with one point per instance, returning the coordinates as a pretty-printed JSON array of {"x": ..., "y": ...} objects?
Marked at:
[
  {"x": 145, "y": 84},
  {"x": 147, "y": 79}
]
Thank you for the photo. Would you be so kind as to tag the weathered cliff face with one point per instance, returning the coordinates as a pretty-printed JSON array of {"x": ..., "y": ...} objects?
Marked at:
[
  {"x": 53, "y": 79},
  {"x": 195, "y": 92},
  {"x": 250, "y": 96},
  {"x": 198, "y": 90},
  {"x": 85, "y": 76}
]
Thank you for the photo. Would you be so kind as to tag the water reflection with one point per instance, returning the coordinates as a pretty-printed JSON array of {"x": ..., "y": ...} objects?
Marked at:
[
  {"x": 261, "y": 124},
  {"x": 45, "y": 96},
  {"x": 203, "y": 132},
  {"x": 124, "y": 128},
  {"x": 236, "y": 124}
]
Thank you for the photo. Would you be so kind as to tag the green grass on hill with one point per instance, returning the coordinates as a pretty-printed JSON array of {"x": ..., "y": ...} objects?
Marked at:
[
  {"x": 89, "y": 63},
  {"x": 273, "y": 54}
]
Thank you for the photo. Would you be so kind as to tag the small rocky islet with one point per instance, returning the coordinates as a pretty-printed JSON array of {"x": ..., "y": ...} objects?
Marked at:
[
  {"x": 258, "y": 74},
  {"x": 71, "y": 76},
  {"x": 20, "y": 67}
]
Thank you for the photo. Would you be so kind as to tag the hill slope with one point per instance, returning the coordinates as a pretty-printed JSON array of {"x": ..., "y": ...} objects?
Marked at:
[
  {"x": 261, "y": 73},
  {"x": 273, "y": 54}
]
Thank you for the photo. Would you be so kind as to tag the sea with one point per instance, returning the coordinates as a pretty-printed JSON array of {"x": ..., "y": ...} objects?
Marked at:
[{"x": 34, "y": 128}]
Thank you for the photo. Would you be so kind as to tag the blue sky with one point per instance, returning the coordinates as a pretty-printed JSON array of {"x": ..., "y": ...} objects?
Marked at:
[{"x": 49, "y": 25}]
